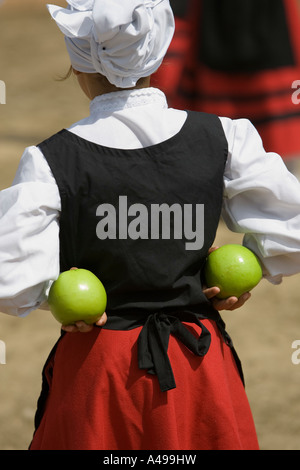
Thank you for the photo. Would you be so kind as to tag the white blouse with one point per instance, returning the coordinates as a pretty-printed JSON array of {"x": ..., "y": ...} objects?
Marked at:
[{"x": 261, "y": 198}]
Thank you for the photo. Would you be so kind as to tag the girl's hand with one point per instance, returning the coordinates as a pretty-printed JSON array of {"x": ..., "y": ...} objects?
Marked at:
[
  {"x": 231, "y": 303},
  {"x": 83, "y": 327}
]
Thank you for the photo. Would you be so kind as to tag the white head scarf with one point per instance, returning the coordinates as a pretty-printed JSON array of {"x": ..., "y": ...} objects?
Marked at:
[{"x": 121, "y": 39}]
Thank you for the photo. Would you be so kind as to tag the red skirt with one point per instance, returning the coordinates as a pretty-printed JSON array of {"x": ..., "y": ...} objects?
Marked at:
[
  {"x": 268, "y": 97},
  {"x": 100, "y": 400}
]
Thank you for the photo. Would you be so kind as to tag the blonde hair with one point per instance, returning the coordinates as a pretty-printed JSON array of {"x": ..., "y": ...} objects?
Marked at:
[{"x": 66, "y": 76}]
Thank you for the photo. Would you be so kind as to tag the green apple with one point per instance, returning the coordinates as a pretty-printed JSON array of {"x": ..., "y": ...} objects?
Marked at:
[
  {"x": 77, "y": 295},
  {"x": 234, "y": 269}
]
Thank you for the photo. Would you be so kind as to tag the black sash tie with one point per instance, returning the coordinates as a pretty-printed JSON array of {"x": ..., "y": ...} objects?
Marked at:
[{"x": 154, "y": 339}]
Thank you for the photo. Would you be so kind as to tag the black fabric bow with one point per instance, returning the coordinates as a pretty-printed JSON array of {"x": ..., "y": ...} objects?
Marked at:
[{"x": 153, "y": 343}]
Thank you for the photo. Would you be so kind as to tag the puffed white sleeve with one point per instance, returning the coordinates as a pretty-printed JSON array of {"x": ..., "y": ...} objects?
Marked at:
[
  {"x": 29, "y": 235},
  {"x": 261, "y": 200}
]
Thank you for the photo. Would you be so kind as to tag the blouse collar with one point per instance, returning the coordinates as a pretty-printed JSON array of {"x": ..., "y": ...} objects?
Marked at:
[{"x": 125, "y": 99}]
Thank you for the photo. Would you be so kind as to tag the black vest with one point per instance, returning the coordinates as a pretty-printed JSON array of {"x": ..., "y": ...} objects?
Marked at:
[{"x": 143, "y": 221}]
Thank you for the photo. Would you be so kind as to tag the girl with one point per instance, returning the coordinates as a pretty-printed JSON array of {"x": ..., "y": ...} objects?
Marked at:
[{"x": 134, "y": 193}]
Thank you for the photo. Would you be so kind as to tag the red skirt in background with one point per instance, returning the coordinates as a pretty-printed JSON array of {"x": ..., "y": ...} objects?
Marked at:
[
  {"x": 100, "y": 400},
  {"x": 261, "y": 91}
]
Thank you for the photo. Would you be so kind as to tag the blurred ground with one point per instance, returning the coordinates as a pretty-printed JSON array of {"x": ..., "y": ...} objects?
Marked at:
[{"x": 32, "y": 58}]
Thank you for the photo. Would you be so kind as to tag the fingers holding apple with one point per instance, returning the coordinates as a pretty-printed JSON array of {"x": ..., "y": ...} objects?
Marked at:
[
  {"x": 212, "y": 248},
  {"x": 83, "y": 327},
  {"x": 234, "y": 269},
  {"x": 211, "y": 292},
  {"x": 231, "y": 271},
  {"x": 77, "y": 300},
  {"x": 229, "y": 303}
]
